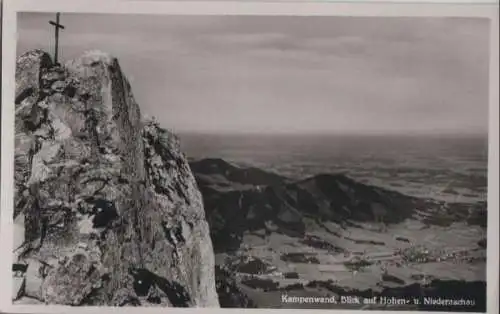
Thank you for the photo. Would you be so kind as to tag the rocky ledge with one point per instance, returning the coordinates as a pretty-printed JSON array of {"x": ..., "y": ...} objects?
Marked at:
[{"x": 107, "y": 211}]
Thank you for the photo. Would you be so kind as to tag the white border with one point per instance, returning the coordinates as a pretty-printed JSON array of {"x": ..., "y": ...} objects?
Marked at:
[{"x": 229, "y": 8}]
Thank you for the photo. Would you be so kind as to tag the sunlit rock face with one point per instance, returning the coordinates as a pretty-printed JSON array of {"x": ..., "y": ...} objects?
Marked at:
[{"x": 106, "y": 203}]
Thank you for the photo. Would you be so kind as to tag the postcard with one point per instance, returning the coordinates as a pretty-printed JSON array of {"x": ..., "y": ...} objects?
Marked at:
[{"x": 249, "y": 155}]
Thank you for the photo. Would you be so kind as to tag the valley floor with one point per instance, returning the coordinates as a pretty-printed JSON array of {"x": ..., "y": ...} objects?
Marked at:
[{"x": 362, "y": 259}]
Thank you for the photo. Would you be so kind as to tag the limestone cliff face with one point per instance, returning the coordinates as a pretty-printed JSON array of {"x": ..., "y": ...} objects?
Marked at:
[{"x": 110, "y": 209}]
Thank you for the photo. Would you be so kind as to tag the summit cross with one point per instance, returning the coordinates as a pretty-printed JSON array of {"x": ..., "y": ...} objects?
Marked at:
[{"x": 57, "y": 26}]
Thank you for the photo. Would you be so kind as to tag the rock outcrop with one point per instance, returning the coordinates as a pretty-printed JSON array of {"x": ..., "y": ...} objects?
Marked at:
[{"x": 110, "y": 209}]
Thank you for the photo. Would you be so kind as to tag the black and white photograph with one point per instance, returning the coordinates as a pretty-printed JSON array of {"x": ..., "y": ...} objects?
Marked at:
[{"x": 250, "y": 161}]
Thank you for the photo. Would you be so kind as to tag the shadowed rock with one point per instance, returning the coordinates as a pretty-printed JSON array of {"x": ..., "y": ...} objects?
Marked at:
[
  {"x": 230, "y": 295},
  {"x": 145, "y": 280}
]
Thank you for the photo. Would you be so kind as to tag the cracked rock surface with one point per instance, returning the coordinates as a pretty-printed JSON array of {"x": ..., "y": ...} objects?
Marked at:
[{"x": 107, "y": 211}]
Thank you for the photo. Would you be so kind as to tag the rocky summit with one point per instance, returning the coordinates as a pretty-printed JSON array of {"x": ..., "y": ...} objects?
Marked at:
[{"x": 107, "y": 211}]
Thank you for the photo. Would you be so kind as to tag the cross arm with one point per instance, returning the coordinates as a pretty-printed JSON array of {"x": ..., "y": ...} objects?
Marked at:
[{"x": 56, "y": 24}]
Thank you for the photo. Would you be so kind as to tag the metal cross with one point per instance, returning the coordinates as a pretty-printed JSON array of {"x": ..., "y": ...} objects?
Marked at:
[{"x": 57, "y": 26}]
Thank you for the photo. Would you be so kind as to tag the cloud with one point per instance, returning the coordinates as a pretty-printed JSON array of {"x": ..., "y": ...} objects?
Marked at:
[{"x": 327, "y": 74}]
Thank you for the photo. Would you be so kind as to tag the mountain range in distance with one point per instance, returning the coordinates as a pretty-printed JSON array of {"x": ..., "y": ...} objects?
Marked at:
[{"x": 250, "y": 197}]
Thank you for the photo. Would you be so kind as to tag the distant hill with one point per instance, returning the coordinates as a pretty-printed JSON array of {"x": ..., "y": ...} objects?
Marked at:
[
  {"x": 216, "y": 171},
  {"x": 244, "y": 199}
]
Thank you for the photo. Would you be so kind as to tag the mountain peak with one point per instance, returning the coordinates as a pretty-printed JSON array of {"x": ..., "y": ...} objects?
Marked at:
[
  {"x": 331, "y": 177},
  {"x": 95, "y": 183},
  {"x": 212, "y": 165},
  {"x": 92, "y": 56},
  {"x": 233, "y": 174}
]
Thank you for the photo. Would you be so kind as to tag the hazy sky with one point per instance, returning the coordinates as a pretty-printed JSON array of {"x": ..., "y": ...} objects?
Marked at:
[{"x": 290, "y": 74}]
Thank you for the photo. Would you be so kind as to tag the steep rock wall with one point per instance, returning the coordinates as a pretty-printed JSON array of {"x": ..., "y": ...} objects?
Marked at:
[{"x": 111, "y": 211}]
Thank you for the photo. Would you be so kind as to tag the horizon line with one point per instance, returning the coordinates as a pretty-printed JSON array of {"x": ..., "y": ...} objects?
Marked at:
[{"x": 330, "y": 133}]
